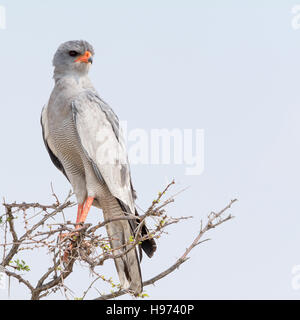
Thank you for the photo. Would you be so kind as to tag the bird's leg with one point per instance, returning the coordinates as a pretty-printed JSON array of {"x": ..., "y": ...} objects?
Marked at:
[
  {"x": 85, "y": 211},
  {"x": 79, "y": 212},
  {"x": 62, "y": 236}
]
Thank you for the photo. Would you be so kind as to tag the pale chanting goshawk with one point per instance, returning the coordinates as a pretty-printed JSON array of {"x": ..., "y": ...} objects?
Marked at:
[{"x": 82, "y": 135}]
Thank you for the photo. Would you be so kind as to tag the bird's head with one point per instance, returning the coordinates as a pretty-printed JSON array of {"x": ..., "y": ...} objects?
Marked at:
[{"x": 73, "y": 57}]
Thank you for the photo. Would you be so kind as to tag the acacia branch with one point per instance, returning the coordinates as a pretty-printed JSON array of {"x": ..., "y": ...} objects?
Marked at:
[
  {"x": 85, "y": 244},
  {"x": 214, "y": 220}
]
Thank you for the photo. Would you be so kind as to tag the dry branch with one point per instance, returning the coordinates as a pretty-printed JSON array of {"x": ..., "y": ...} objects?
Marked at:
[{"x": 88, "y": 245}]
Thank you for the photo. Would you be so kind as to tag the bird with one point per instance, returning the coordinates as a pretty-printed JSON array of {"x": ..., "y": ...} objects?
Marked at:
[{"x": 84, "y": 139}]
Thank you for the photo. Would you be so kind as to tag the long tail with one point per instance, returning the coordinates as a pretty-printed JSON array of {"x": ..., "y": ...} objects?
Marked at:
[
  {"x": 120, "y": 233},
  {"x": 149, "y": 245}
]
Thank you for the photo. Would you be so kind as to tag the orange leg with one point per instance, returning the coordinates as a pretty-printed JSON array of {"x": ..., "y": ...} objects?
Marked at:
[
  {"x": 79, "y": 212},
  {"x": 83, "y": 210}
]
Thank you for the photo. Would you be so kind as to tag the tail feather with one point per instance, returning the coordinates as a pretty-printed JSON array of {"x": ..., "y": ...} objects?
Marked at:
[
  {"x": 119, "y": 232},
  {"x": 149, "y": 245}
]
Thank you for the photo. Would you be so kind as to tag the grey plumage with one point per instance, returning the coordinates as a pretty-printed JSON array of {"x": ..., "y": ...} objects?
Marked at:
[{"x": 83, "y": 137}]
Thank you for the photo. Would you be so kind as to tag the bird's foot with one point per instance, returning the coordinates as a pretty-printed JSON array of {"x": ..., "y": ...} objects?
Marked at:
[
  {"x": 64, "y": 237},
  {"x": 68, "y": 236},
  {"x": 73, "y": 236},
  {"x": 67, "y": 254}
]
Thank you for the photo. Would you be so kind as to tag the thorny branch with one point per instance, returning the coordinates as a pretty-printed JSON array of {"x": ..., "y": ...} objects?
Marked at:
[{"x": 88, "y": 245}]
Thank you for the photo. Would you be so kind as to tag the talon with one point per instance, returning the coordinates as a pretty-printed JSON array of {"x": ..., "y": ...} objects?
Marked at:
[
  {"x": 82, "y": 212},
  {"x": 67, "y": 253},
  {"x": 66, "y": 256},
  {"x": 70, "y": 235},
  {"x": 65, "y": 236}
]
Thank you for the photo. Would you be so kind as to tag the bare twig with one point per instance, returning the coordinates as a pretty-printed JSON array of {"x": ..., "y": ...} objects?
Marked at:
[
  {"x": 211, "y": 223},
  {"x": 85, "y": 244}
]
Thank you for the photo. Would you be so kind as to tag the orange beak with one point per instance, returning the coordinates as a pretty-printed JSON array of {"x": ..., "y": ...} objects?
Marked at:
[{"x": 86, "y": 58}]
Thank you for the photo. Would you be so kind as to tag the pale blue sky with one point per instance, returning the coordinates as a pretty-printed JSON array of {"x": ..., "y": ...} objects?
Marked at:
[{"x": 228, "y": 67}]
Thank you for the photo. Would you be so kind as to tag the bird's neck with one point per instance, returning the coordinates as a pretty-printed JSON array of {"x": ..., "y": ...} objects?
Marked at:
[
  {"x": 81, "y": 81},
  {"x": 77, "y": 74}
]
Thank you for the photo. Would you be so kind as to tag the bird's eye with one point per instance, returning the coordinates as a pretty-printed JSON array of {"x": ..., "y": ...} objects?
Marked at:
[{"x": 73, "y": 53}]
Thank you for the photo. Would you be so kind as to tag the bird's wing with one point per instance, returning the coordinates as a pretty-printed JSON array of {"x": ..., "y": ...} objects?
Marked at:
[
  {"x": 103, "y": 143},
  {"x": 51, "y": 151}
]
